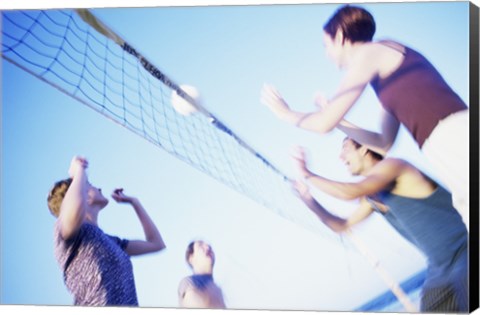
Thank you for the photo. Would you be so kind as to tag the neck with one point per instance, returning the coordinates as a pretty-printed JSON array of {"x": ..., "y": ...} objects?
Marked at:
[
  {"x": 203, "y": 270},
  {"x": 368, "y": 164},
  {"x": 92, "y": 215},
  {"x": 351, "y": 51}
]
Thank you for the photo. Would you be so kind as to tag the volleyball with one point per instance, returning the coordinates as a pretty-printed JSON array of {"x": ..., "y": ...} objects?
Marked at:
[{"x": 182, "y": 106}]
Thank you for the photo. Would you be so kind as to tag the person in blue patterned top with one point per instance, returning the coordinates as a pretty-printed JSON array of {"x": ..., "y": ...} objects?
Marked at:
[{"x": 96, "y": 266}]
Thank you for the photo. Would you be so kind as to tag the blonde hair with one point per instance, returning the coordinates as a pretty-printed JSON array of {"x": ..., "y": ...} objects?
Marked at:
[{"x": 56, "y": 195}]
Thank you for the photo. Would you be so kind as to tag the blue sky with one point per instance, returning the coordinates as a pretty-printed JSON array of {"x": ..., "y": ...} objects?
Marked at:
[{"x": 227, "y": 52}]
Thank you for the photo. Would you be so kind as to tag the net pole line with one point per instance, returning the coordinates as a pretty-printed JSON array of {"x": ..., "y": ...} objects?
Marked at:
[
  {"x": 387, "y": 278},
  {"x": 100, "y": 27}
]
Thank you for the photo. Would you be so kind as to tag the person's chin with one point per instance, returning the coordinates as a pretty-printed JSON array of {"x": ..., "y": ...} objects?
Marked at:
[
  {"x": 105, "y": 203},
  {"x": 354, "y": 173}
]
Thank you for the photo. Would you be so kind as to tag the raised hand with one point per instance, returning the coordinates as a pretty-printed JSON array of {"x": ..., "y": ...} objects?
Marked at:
[
  {"x": 119, "y": 196},
  {"x": 299, "y": 158},
  {"x": 77, "y": 164},
  {"x": 153, "y": 240},
  {"x": 301, "y": 189},
  {"x": 271, "y": 98}
]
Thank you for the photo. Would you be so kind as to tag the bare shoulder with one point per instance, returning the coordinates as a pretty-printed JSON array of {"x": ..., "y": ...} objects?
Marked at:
[
  {"x": 388, "y": 55},
  {"x": 391, "y": 162},
  {"x": 367, "y": 58},
  {"x": 368, "y": 50},
  {"x": 184, "y": 285}
]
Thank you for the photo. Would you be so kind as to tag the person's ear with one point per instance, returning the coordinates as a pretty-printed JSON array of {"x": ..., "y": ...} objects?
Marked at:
[
  {"x": 339, "y": 38},
  {"x": 363, "y": 150}
]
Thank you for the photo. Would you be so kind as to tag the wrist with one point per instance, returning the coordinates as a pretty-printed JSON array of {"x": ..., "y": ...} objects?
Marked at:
[
  {"x": 134, "y": 201},
  {"x": 79, "y": 174},
  {"x": 284, "y": 114},
  {"x": 307, "y": 198},
  {"x": 300, "y": 119},
  {"x": 307, "y": 175}
]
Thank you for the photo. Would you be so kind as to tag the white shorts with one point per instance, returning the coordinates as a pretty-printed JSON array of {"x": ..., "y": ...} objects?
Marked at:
[{"x": 447, "y": 149}]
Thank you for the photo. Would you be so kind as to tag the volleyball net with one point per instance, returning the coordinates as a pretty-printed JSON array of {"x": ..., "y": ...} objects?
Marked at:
[{"x": 77, "y": 54}]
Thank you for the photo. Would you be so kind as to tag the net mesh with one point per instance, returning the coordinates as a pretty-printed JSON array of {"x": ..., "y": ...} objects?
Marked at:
[{"x": 100, "y": 70}]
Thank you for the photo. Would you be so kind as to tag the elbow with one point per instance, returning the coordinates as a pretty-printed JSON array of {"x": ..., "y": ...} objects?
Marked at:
[
  {"x": 338, "y": 228},
  {"x": 156, "y": 245},
  {"x": 350, "y": 197},
  {"x": 323, "y": 128},
  {"x": 317, "y": 124},
  {"x": 159, "y": 247},
  {"x": 347, "y": 195},
  {"x": 386, "y": 143}
]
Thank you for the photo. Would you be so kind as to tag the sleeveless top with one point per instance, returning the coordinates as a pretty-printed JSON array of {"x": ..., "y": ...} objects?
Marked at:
[
  {"x": 431, "y": 224},
  {"x": 416, "y": 94}
]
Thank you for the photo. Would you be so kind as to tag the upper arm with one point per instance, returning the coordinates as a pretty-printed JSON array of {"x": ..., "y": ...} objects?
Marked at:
[
  {"x": 389, "y": 130},
  {"x": 357, "y": 77},
  {"x": 381, "y": 177},
  {"x": 188, "y": 296},
  {"x": 182, "y": 288},
  {"x": 72, "y": 209},
  {"x": 138, "y": 247}
]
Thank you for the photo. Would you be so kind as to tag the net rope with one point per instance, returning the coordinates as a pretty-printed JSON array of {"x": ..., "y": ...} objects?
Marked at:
[{"x": 77, "y": 54}]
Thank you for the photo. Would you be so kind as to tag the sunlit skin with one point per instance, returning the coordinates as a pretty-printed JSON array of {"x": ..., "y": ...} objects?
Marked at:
[
  {"x": 352, "y": 158},
  {"x": 201, "y": 260},
  {"x": 334, "y": 49},
  {"x": 360, "y": 62},
  {"x": 365, "y": 62},
  {"x": 83, "y": 202}
]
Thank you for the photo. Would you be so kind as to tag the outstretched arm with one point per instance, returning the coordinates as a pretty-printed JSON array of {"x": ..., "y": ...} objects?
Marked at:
[
  {"x": 153, "y": 240},
  {"x": 380, "y": 177},
  {"x": 358, "y": 76},
  {"x": 320, "y": 121},
  {"x": 378, "y": 142},
  {"x": 73, "y": 208},
  {"x": 335, "y": 223}
]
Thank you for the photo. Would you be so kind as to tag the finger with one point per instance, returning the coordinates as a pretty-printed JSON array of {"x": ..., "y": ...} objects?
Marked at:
[
  {"x": 301, "y": 152},
  {"x": 268, "y": 94},
  {"x": 269, "y": 99},
  {"x": 271, "y": 91},
  {"x": 297, "y": 152}
]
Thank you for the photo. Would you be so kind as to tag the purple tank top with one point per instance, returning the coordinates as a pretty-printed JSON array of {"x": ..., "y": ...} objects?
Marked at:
[{"x": 417, "y": 95}]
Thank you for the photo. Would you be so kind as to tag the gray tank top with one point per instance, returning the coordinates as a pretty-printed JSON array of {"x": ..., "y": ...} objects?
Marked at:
[{"x": 431, "y": 224}]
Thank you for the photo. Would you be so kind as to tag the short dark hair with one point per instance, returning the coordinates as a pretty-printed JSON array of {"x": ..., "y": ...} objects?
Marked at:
[
  {"x": 189, "y": 252},
  {"x": 375, "y": 155},
  {"x": 56, "y": 195},
  {"x": 356, "y": 24}
]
